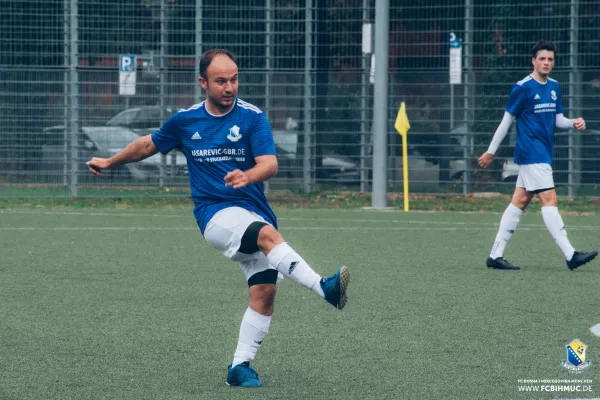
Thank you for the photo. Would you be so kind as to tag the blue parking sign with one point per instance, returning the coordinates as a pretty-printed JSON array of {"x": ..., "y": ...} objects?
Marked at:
[{"x": 127, "y": 63}]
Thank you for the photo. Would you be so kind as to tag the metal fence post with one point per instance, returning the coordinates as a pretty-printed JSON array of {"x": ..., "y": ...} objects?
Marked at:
[
  {"x": 308, "y": 37},
  {"x": 574, "y": 176},
  {"x": 66, "y": 88},
  {"x": 198, "y": 51},
  {"x": 74, "y": 93},
  {"x": 467, "y": 87},
  {"x": 380, "y": 104},
  {"x": 268, "y": 67},
  {"x": 364, "y": 124},
  {"x": 161, "y": 84}
]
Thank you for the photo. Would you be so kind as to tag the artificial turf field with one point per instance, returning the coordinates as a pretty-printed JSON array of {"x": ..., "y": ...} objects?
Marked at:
[{"x": 133, "y": 304}]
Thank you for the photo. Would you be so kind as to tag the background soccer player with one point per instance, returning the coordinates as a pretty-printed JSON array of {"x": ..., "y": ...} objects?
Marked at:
[
  {"x": 536, "y": 104},
  {"x": 230, "y": 151}
]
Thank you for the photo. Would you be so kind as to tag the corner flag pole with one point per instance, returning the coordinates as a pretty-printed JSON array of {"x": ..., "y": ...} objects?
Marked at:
[{"x": 402, "y": 126}]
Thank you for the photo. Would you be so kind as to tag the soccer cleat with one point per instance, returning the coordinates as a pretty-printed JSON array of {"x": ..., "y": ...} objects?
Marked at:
[
  {"x": 581, "y": 257},
  {"x": 242, "y": 375},
  {"x": 335, "y": 287},
  {"x": 500, "y": 263}
]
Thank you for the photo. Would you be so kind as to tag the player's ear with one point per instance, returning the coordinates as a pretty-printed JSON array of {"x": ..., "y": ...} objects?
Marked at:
[{"x": 203, "y": 82}]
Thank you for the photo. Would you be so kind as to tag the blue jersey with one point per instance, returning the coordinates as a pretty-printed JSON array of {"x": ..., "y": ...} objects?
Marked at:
[
  {"x": 215, "y": 145},
  {"x": 535, "y": 106}
]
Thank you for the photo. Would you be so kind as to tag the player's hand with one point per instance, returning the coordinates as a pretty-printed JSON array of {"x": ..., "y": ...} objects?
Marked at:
[
  {"x": 579, "y": 123},
  {"x": 485, "y": 160},
  {"x": 96, "y": 165},
  {"x": 237, "y": 179}
]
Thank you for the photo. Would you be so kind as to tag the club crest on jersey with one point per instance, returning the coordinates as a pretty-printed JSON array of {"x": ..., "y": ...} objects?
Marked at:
[
  {"x": 576, "y": 361},
  {"x": 553, "y": 95},
  {"x": 234, "y": 133}
]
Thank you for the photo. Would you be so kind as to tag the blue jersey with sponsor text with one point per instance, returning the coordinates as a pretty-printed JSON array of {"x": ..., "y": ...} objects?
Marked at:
[
  {"x": 215, "y": 145},
  {"x": 535, "y": 106}
]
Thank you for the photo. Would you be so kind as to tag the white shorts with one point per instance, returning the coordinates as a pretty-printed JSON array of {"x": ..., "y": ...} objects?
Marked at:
[
  {"x": 225, "y": 230},
  {"x": 535, "y": 177}
]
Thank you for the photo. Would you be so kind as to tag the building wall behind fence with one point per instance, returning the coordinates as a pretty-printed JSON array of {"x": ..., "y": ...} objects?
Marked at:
[{"x": 301, "y": 61}]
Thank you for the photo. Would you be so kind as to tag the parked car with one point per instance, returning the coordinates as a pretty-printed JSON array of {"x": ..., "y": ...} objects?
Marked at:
[
  {"x": 105, "y": 142},
  {"x": 337, "y": 168},
  {"x": 141, "y": 120},
  {"x": 425, "y": 170},
  {"x": 341, "y": 169}
]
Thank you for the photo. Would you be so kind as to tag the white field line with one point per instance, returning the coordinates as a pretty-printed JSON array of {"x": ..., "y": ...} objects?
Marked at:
[{"x": 306, "y": 220}]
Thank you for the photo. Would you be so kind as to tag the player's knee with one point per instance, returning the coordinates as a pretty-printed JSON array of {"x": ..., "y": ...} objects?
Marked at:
[
  {"x": 259, "y": 236},
  {"x": 520, "y": 203},
  {"x": 268, "y": 238},
  {"x": 521, "y": 200},
  {"x": 249, "y": 242},
  {"x": 262, "y": 298},
  {"x": 548, "y": 198},
  {"x": 265, "y": 292}
]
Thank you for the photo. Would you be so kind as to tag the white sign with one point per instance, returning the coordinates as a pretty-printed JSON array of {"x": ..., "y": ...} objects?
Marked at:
[
  {"x": 127, "y": 75},
  {"x": 367, "y": 38},
  {"x": 455, "y": 60},
  {"x": 372, "y": 71}
]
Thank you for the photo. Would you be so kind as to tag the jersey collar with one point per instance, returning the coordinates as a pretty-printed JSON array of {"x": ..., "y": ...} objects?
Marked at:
[{"x": 222, "y": 115}]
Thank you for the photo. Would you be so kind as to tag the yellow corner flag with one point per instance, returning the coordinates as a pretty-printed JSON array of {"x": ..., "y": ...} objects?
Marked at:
[{"x": 402, "y": 126}]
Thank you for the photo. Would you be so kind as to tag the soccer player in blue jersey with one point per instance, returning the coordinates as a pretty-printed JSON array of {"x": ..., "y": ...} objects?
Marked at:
[
  {"x": 536, "y": 105},
  {"x": 230, "y": 152}
]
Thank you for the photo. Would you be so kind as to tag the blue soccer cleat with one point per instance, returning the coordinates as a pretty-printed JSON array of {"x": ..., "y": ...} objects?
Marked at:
[
  {"x": 242, "y": 375},
  {"x": 335, "y": 287}
]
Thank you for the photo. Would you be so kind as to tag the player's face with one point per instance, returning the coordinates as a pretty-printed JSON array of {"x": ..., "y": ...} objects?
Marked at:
[
  {"x": 543, "y": 62},
  {"x": 221, "y": 83}
]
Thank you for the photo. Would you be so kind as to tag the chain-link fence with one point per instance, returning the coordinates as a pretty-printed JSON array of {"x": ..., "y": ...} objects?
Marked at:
[{"x": 81, "y": 78}]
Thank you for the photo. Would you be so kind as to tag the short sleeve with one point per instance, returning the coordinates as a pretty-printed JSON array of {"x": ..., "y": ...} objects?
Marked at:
[
  {"x": 517, "y": 100},
  {"x": 560, "y": 108},
  {"x": 261, "y": 138},
  {"x": 167, "y": 137}
]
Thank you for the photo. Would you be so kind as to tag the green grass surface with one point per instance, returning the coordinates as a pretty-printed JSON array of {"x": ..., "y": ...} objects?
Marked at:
[{"x": 134, "y": 304}]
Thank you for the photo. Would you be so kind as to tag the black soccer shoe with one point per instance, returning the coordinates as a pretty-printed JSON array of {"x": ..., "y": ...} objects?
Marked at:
[
  {"x": 500, "y": 263},
  {"x": 581, "y": 257}
]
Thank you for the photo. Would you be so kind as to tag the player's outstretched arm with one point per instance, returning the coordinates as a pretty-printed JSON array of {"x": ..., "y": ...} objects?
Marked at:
[
  {"x": 265, "y": 168},
  {"x": 135, "y": 151}
]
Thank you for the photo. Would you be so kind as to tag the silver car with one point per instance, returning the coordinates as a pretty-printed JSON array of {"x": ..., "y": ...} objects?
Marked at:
[
  {"x": 104, "y": 142},
  {"x": 142, "y": 120}
]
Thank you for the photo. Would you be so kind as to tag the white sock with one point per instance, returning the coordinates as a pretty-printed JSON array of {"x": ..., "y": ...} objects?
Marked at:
[
  {"x": 290, "y": 264},
  {"x": 253, "y": 330},
  {"x": 556, "y": 227},
  {"x": 508, "y": 225}
]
